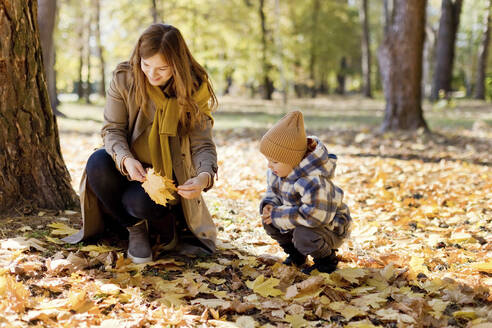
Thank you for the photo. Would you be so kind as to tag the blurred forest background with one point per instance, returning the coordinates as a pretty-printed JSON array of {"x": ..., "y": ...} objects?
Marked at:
[{"x": 269, "y": 48}]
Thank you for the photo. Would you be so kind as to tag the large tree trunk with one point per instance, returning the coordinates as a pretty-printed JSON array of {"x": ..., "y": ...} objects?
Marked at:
[
  {"x": 32, "y": 172},
  {"x": 46, "y": 21},
  {"x": 267, "y": 82},
  {"x": 446, "y": 39},
  {"x": 483, "y": 54},
  {"x": 100, "y": 49},
  {"x": 366, "y": 50},
  {"x": 400, "y": 60}
]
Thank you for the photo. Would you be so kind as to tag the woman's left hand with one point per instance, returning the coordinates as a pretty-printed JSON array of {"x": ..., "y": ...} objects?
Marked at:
[{"x": 193, "y": 187}]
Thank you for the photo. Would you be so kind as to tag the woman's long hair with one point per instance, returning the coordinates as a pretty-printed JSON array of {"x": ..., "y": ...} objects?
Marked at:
[{"x": 187, "y": 73}]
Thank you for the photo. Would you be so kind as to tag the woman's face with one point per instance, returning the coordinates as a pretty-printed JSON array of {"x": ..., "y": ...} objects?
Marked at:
[{"x": 156, "y": 69}]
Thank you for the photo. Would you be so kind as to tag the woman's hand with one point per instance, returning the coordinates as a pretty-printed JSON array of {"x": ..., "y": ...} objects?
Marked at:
[
  {"x": 193, "y": 187},
  {"x": 135, "y": 169},
  {"x": 266, "y": 215}
]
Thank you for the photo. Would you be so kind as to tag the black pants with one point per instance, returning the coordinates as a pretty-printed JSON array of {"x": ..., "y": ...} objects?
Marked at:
[
  {"x": 125, "y": 201},
  {"x": 317, "y": 242}
]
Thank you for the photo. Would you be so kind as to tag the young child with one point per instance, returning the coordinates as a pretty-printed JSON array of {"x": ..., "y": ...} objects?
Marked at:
[{"x": 302, "y": 208}]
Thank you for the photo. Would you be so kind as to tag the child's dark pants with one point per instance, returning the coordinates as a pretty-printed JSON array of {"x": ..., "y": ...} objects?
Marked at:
[{"x": 317, "y": 242}]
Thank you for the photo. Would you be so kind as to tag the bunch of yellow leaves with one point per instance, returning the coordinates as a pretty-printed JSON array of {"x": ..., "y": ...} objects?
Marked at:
[{"x": 159, "y": 188}]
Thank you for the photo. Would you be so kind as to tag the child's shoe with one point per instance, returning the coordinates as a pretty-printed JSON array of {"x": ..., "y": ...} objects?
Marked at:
[
  {"x": 326, "y": 264},
  {"x": 294, "y": 256}
]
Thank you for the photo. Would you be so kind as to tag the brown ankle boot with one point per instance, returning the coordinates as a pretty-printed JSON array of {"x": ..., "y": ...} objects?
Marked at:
[{"x": 139, "y": 250}]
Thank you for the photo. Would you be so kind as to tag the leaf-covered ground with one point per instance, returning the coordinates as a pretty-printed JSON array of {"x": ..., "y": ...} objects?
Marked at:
[{"x": 419, "y": 255}]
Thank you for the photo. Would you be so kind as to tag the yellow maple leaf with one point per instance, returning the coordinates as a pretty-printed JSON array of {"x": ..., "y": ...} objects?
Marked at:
[
  {"x": 352, "y": 275},
  {"x": 158, "y": 187},
  {"x": 348, "y": 311},
  {"x": 361, "y": 324},
  {"x": 98, "y": 248},
  {"x": 417, "y": 266},
  {"x": 61, "y": 229},
  {"x": 264, "y": 287},
  {"x": 296, "y": 320},
  {"x": 373, "y": 300},
  {"x": 483, "y": 266}
]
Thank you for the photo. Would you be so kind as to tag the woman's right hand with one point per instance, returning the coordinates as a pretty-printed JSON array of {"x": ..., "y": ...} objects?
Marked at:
[{"x": 135, "y": 169}]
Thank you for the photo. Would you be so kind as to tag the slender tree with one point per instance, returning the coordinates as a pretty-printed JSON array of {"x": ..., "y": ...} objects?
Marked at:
[
  {"x": 154, "y": 12},
  {"x": 446, "y": 40},
  {"x": 46, "y": 20},
  {"x": 366, "y": 49},
  {"x": 400, "y": 61},
  {"x": 267, "y": 66},
  {"x": 100, "y": 48},
  {"x": 483, "y": 54},
  {"x": 32, "y": 172},
  {"x": 314, "y": 45}
]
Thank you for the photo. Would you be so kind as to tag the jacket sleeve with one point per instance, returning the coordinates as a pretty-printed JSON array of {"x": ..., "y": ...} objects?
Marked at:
[
  {"x": 320, "y": 200},
  {"x": 203, "y": 151},
  {"x": 270, "y": 196},
  {"x": 115, "y": 129}
]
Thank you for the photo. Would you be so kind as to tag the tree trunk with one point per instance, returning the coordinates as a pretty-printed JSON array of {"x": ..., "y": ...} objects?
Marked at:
[
  {"x": 87, "y": 84},
  {"x": 100, "y": 49},
  {"x": 341, "y": 74},
  {"x": 32, "y": 172},
  {"x": 80, "y": 34},
  {"x": 313, "y": 50},
  {"x": 366, "y": 50},
  {"x": 280, "y": 51},
  {"x": 483, "y": 54},
  {"x": 46, "y": 21},
  {"x": 429, "y": 54},
  {"x": 154, "y": 12},
  {"x": 400, "y": 60},
  {"x": 446, "y": 39},
  {"x": 267, "y": 82}
]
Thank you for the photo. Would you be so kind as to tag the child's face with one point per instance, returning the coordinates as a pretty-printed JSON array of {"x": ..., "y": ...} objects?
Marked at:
[{"x": 279, "y": 169}]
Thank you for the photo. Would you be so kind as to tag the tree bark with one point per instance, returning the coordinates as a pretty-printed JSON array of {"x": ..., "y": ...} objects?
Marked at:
[
  {"x": 100, "y": 49},
  {"x": 366, "y": 50},
  {"x": 446, "y": 39},
  {"x": 341, "y": 74},
  {"x": 154, "y": 12},
  {"x": 46, "y": 20},
  {"x": 32, "y": 171},
  {"x": 87, "y": 84},
  {"x": 267, "y": 82},
  {"x": 313, "y": 50},
  {"x": 483, "y": 54},
  {"x": 400, "y": 60}
]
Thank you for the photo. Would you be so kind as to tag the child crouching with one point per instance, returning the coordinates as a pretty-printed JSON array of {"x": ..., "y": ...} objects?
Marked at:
[{"x": 302, "y": 208}]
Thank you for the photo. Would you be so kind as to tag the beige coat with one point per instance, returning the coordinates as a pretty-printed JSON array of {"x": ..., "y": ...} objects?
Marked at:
[{"x": 191, "y": 155}]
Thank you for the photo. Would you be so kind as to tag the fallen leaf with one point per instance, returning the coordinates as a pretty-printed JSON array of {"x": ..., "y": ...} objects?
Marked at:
[
  {"x": 61, "y": 229},
  {"x": 264, "y": 287},
  {"x": 158, "y": 187}
]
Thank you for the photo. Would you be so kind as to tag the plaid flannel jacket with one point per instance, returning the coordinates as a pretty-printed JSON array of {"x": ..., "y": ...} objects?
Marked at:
[{"x": 307, "y": 196}]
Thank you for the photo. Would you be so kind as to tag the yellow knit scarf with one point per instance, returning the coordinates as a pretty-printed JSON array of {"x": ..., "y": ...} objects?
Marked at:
[{"x": 165, "y": 125}]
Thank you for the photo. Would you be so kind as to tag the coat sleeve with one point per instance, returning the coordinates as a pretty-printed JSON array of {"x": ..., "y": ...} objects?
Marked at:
[
  {"x": 115, "y": 129},
  {"x": 319, "y": 203},
  {"x": 270, "y": 196},
  {"x": 203, "y": 151}
]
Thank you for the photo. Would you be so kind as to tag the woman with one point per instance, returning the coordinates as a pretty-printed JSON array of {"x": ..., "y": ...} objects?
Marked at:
[{"x": 157, "y": 114}]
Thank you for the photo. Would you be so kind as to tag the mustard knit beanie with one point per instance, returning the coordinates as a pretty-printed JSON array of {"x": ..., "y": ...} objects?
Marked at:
[{"x": 286, "y": 141}]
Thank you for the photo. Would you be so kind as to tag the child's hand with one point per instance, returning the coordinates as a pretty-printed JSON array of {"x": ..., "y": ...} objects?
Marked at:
[{"x": 266, "y": 215}]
